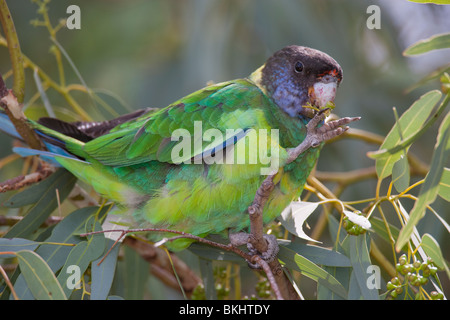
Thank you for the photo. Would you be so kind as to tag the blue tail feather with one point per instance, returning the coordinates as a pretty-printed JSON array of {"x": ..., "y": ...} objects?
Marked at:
[
  {"x": 7, "y": 126},
  {"x": 53, "y": 149},
  {"x": 47, "y": 156}
]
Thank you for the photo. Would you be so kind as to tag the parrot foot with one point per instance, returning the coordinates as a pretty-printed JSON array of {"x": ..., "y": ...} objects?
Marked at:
[
  {"x": 316, "y": 135},
  {"x": 329, "y": 130},
  {"x": 242, "y": 238}
]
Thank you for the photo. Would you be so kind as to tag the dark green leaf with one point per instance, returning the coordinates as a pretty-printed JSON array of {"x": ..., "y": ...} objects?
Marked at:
[
  {"x": 295, "y": 261},
  {"x": 33, "y": 193},
  {"x": 136, "y": 275},
  {"x": 83, "y": 254},
  {"x": 342, "y": 275},
  {"x": 103, "y": 274},
  {"x": 56, "y": 254},
  {"x": 318, "y": 255},
  {"x": 360, "y": 259},
  {"x": 47, "y": 203},
  {"x": 16, "y": 244}
]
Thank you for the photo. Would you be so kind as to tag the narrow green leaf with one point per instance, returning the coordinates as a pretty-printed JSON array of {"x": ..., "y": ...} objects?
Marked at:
[
  {"x": 103, "y": 274},
  {"x": 342, "y": 275},
  {"x": 444, "y": 185},
  {"x": 39, "y": 277},
  {"x": 55, "y": 256},
  {"x": 433, "y": 250},
  {"x": 136, "y": 274},
  {"x": 16, "y": 244},
  {"x": 360, "y": 259},
  {"x": 47, "y": 203},
  {"x": 33, "y": 193},
  {"x": 83, "y": 254},
  {"x": 380, "y": 229},
  {"x": 354, "y": 290},
  {"x": 430, "y": 187},
  {"x": 309, "y": 269},
  {"x": 410, "y": 122},
  {"x": 400, "y": 173},
  {"x": 318, "y": 255},
  {"x": 440, "y": 41}
]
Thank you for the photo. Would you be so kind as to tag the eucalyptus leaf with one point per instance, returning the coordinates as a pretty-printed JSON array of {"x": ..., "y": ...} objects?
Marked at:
[
  {"x": 102, "y": 272},
  {"x": 360, "y": 259},
  {"x": 444, "y": 185},
  {"x": 410, "y": 122},
  {"x": 342, "y": 275},
  {"x": 433, "y": 250},
  {"x": 430, "y": 187},
  {"x": 311, "y": 270},
  {"x": 136, "y": 274},
  {"x": 441, "y": 41},
  {"x": 39, "y": 277},
  {"x": 82, "y": 254},
  {"x": 61, "y": 180},
  {"x": 16, "y": 244},
  {"x": 318, "y": 255},
  {"x": 33, "y": 193},
  {"x": 64, "y": 239},
  {"x": 379, "y": 227},
  {"x": 400, "y": 173}
]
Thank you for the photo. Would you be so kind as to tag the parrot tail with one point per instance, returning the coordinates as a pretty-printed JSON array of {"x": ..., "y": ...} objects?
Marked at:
[{"x": 55, "y": 146}]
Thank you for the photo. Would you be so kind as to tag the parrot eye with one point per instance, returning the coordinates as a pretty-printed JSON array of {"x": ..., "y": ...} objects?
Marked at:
[{"x": 298, "y": 67}]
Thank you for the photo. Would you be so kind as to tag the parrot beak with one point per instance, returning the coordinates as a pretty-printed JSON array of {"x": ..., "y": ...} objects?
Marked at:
[{"x": 323, "y": 91}]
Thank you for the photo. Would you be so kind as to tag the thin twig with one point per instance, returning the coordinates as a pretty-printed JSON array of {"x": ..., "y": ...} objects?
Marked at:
[{"x": 8, "y": 283}]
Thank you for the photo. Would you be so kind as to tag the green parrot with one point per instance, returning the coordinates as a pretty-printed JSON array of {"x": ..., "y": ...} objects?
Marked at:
[{"x": 195, "y": 165}]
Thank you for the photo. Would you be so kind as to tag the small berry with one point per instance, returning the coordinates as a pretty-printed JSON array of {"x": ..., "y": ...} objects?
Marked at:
[
  {"x": 390, "y": 286},
  {"x": 417, "y": 264},
  {"x": 395, "y": 281}
]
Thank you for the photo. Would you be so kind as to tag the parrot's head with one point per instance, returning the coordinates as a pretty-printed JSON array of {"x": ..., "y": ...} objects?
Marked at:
[{"x": 301, "y": 80}]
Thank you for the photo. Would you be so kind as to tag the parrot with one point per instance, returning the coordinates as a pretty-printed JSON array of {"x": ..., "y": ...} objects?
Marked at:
[{"x": 196, "y": 164}]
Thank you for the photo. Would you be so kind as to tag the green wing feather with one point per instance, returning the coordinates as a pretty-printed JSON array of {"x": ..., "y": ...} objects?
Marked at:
[{"x": 228, "y": 105}]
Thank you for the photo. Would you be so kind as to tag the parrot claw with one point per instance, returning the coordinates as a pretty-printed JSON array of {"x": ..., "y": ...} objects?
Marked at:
[
  {"x": 316, "y": 135},
  {"x": 329, "y": 130},
  {"x": 242, "y": 238}
]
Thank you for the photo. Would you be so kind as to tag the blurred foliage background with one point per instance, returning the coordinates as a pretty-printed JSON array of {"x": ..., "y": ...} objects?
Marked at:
[{"x": 150, "y": 53}]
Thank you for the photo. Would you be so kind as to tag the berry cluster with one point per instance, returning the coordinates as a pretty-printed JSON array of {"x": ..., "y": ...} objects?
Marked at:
[
  {"x": 352, "y": 228},
  {"x": 415, "y": 274}
]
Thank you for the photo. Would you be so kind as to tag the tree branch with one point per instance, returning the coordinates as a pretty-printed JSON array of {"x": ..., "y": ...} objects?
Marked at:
[
  {"x": 160, "y": 265},
  {"x": 14, "y": 51}
]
